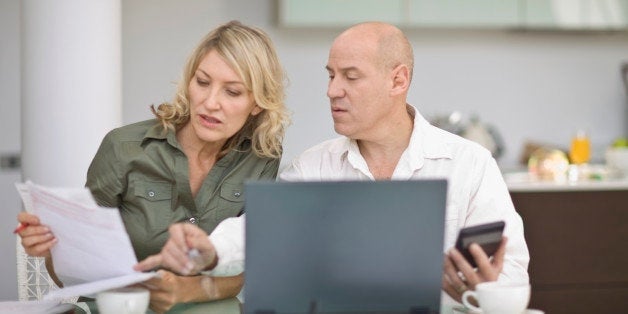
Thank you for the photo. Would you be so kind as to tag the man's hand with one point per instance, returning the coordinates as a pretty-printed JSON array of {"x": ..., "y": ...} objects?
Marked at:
[
  {"x": 175, "y": 254},
  {"x": 459, "y": 276}
]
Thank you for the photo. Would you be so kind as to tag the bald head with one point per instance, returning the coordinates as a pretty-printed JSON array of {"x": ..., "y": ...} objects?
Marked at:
[{"x": 389, "y": 45}]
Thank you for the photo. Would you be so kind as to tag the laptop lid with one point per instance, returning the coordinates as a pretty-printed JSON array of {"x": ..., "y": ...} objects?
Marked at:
[{"x": 344, "y": 247}]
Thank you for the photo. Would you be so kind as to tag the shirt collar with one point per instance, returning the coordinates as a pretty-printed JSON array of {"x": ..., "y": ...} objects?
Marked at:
[
  {"x": 158, "y": 132},
  {"x": 426, "y": 142}
]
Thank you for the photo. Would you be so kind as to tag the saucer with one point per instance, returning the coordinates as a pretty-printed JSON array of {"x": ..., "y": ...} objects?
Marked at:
[{"x": 464, "y": 310}]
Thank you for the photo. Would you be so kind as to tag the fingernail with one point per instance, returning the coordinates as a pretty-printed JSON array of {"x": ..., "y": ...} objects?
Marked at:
[{"x": 188, "y": 267}]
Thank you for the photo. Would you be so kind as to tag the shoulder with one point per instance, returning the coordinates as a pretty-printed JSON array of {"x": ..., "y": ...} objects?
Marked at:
[
  {"x": 133, "y": 132},
  {"x": 457, "y": 147},
  {"x": 332, "y": 147}
]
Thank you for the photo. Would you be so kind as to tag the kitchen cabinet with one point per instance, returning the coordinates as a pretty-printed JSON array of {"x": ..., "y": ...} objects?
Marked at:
[
  {"x": 463, "y": 13},
  {"x": 477, "y": 14},
  {"x": 575, "y": 14},
  {"x": 577, "y": 243},
  {"x": 338, "y": 13}
]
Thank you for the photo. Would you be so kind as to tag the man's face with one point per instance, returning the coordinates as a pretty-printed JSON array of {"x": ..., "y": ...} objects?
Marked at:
[{"x": 358, "y": 87}]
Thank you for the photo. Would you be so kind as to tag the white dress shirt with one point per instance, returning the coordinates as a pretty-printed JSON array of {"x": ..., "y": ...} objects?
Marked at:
[
  {"x": 228, "y": 240},
  {"x": 476, "y": 193}
]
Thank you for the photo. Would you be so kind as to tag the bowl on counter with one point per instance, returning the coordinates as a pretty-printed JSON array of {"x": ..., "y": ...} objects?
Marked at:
[{"x": 617, "y": 159}]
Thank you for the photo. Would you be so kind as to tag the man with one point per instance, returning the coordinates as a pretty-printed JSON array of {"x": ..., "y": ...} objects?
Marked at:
[{"x": 370, "y": 69}]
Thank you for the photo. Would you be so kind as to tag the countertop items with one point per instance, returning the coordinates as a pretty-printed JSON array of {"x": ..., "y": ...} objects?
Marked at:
[{"x": 598, "y": 179}]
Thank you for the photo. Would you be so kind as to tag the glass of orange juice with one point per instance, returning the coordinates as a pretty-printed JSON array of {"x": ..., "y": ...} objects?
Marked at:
[{"x": 580, "y": 151}]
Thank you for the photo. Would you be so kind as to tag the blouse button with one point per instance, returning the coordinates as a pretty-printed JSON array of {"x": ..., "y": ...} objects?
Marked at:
[
  {"x": 192, "y": 220},
  {"x": 151, "y": 193},
  {"x": 236, "y": 194}
]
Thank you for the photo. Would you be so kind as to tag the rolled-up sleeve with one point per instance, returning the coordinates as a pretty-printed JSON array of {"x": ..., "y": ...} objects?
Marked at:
[{"x": 228, "y": 239}]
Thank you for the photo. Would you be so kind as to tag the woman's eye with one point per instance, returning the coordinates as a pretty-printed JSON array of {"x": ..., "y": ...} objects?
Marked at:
[
  {"x": 233, "y": 92},
  {"x": 202, "y": 82}
]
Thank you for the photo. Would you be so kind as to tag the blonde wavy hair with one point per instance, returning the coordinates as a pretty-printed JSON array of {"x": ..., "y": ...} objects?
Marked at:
[{"x": 250, "y": 52}]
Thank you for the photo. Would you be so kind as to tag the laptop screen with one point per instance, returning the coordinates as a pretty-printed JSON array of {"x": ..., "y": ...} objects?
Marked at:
[{"x": 344, "y": 247}]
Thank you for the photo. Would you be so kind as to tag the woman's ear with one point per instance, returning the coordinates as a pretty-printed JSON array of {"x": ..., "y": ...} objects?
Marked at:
[{"x": 256, "y": 110}]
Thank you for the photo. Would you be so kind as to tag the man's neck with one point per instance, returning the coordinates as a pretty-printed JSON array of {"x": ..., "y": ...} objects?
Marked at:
[{"x": 382, "y": 153}]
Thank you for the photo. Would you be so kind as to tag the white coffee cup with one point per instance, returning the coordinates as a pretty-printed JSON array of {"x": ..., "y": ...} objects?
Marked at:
[
  {"x": 499, "y": 298},
  {"x": 123, "y": 301}
]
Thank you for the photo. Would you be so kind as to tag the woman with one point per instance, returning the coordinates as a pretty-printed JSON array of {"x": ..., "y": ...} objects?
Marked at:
[{"x": 224, "y": 126}]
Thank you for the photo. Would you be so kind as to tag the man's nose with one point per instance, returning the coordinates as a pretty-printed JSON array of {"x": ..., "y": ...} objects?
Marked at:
[{"x": 334, "y": 89}]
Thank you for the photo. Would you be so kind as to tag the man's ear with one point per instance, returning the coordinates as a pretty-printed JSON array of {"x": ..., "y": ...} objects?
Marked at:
[
  {"x": 256, "y": 110},
  {"x": 400, "y": 80}
]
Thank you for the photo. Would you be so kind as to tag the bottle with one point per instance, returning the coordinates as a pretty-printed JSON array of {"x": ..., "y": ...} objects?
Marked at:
[{"x": 580, "y": 151}]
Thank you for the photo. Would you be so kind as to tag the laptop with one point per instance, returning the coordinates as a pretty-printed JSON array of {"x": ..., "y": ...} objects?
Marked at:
[{"x": 344, "y": 247}]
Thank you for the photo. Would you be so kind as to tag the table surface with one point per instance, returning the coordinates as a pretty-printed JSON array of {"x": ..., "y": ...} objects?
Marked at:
[{"x": 227, "y": 306}]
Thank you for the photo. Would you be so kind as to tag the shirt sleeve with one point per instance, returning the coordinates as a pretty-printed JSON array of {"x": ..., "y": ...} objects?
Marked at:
[
  {"x": 228, "y": 240},
  {"x": 491, "y": 202},
  {"x": 104, "y": 176}
]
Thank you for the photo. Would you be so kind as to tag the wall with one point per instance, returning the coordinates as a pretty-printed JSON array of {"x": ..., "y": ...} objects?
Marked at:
[
  {"x": 538, "y": 86},
  {"x": 9, "y": 143}
]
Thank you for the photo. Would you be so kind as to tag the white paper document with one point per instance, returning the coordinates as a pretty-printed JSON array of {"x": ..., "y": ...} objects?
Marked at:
[{"x": 93, "y": 252}]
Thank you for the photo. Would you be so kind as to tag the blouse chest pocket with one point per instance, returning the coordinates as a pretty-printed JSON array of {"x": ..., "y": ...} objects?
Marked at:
[
  {"x": 153, "y": 191},
  {"x": 231, "y": 201},
  {"x": 153, "y": 205}
]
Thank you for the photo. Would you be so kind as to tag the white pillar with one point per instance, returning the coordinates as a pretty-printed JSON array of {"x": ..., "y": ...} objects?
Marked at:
[{"x": 71, "y": 85}]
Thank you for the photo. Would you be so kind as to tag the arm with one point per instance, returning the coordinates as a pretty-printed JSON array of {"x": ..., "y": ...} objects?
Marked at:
[
  {"x": 228, "y": 251},
  {"x": 37, "y": 240},
  {"x": 489, "y": 201},
  {"x": 169, "y": 289},
  {"x": 223, "y": 250}
]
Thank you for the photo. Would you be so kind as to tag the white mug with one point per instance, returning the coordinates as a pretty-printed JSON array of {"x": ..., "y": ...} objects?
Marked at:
[
  {"x": 499, "y": 298},
  {"x": 123, "y": 301}
]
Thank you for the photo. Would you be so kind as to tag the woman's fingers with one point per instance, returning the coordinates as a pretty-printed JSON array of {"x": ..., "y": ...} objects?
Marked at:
[
  {"x": 27, "y": 218},
  {"x": 33, "y": 247}
]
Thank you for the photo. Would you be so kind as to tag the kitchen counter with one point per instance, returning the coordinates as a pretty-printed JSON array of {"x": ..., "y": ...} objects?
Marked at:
[
  {"x": 524, "y": 182},
  {"x": 576, "y": 232}
]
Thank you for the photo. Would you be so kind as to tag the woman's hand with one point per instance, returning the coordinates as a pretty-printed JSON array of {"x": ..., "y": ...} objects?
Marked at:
[
  {"x": 169, "y": 289},
  {"x": 459, "y": 276},
  {"x": 37, "y": 239}
]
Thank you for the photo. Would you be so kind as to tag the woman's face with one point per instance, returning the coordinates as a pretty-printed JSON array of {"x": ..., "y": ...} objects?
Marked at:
[{"x": 220, "y": 104}]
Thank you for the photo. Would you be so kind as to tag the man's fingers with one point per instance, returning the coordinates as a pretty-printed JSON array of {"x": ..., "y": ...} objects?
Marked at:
[
  {"x": 177, "y": 235},
  {"x": 148, "y": 263},
  {"x": 452, "y": 274},
  {"x": 464, "y": 267},
  {"x": 498, "y": 258},
  {"x": 480, "y": 257},
  {"x": 176, "y": 258}
]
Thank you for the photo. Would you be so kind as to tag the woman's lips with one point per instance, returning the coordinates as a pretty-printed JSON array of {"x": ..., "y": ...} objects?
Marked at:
[{"x": 209, "y": 120}]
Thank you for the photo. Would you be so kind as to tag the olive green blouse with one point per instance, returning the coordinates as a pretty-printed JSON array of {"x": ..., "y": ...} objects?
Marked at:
[{"x": 142, "y": 171}]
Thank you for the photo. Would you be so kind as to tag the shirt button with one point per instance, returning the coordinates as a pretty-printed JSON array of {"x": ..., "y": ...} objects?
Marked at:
[
  {"x": 151, "y": 193},
  {"x": 236, "y": 194},
  {"x": 193, "y": 220}
]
